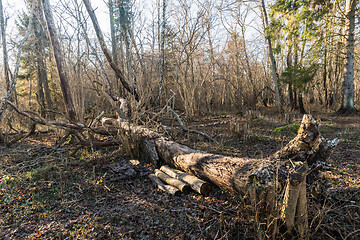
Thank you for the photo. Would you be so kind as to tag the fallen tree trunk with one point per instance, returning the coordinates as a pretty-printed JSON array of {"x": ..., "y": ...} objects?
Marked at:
[{"x": 257, "y": 178}]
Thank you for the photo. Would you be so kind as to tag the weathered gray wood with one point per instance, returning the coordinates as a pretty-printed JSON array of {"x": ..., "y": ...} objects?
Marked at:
[
  {"x": 166, "y": 188},
  {"x": 185, "y": 188},
  {"x": 195, "y": 183}
]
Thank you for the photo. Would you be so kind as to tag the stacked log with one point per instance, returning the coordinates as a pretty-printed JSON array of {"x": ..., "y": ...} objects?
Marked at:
[
  {"x": 173, "y": 178},
  {"x": 185, "y": 188},
  {"x": 195, "y": 183},
  {"x": 166, "y": 188}
]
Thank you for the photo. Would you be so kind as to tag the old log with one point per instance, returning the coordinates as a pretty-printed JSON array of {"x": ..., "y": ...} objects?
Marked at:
[
  {"x": 166, "y": 188},
  {"x": 256, "y": 178},
  {"x": 185, "y": 188},
  {"x": 195, "y": 183}
]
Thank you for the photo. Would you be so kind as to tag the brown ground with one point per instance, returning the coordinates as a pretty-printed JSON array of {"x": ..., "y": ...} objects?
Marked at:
[{"x": 47, "y": 194}]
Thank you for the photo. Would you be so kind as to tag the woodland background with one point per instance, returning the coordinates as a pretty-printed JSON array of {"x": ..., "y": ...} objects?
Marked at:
[
  {"x": 242, "y": 72},
  {"x": 207, "y": 56}
]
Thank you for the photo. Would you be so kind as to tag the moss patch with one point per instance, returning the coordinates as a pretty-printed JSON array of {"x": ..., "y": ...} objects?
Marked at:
[{"x": 291, "y": 128}]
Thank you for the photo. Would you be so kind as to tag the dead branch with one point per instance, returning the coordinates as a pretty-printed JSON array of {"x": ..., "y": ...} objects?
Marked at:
[
  {"x": 22, "y": 135},
  {"x": 73, "y": 128},
  {"x": 186, "y": 129},
  {"x": 100, "y": 36}
]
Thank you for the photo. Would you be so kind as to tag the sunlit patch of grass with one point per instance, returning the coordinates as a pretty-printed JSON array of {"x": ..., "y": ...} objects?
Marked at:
[{"x": 290, "y": 128}]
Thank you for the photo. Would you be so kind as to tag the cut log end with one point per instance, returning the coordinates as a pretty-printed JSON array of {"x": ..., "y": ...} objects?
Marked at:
[
  {"x": 195, "y": 183},
  {"x": 166, "y": 188},
  {"x": 185, "y": 188}
]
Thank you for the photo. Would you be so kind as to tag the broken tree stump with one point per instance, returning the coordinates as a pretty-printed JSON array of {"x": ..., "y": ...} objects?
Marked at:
[
  {"x": 162, "y": 186},
  {"x": 185, "y": 188},
  {"x": 195, "y": 183}
]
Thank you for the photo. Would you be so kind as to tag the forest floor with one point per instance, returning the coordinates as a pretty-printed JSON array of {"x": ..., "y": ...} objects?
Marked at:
[{"x": 52, "y": 192}]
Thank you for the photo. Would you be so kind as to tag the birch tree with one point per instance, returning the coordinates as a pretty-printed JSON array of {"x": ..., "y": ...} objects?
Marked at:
[
  {"x": 347, "y": 104},
  {"x": 5, "y": 54},
  {"x": 271, "y": 56}
]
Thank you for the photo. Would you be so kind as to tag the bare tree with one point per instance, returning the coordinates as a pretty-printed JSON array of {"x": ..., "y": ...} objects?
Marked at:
[
  {"x": 11, "y": 90},
  {"x": 112, "y": 29},
  {"x": 162, "y": 52},
  {"x": 347, "y": 104},
  {"x": 64, "y": 81},
  {"x": 271, "y": 56},
  {"x": 118, "y": 72},
  {"x": 5, "y": 54}
]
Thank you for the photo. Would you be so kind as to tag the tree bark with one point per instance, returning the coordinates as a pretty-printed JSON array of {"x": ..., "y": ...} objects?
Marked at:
[
  {"x": 112, "y": 30},
  {"x": 166, "y": 188},
  {"x": 5, "y": 54},
  {"x": 58, "y": 55},
  {"x": 347, "y": 104},
  {"x": 40, "y": 78},
  {"x": 195, "y": 183},
  {"x": 271, "y": 56},
  {"x": 162, "y": 52}
]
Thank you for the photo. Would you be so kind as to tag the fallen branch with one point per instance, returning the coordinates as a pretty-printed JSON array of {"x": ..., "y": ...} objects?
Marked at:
[
  {"x": 73, "y": 128},
  {"x": 185, "y": 129},
  {"x": 22, "y": 135}
]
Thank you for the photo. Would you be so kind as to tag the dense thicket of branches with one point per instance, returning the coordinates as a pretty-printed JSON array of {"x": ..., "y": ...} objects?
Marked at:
[{"x": 205, "y": 56}]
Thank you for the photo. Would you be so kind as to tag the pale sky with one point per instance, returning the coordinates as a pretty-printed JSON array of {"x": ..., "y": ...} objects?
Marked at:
[{"x": 13, "y": 7}]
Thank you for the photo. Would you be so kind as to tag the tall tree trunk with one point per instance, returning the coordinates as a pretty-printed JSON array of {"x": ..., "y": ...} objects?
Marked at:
[
  {"x": 325, "y": 77},
  {"x": 347, "y": 104},
  {"x": 112, "y": 30},
  {"x": 291, "y": 96},
  {"x": 47, "y": 91},
  {"x": 5, "y": 54},
  {"x": 301, "y": 103},
  {"x": 40, "y": 78},
  {"x": 58, "y": 55},
  {"x": 212, "y": 68},
  {"x": 118, "y": 72},
  {"x": 162, "y": 52},
  {"x": 271, "y": 56}
]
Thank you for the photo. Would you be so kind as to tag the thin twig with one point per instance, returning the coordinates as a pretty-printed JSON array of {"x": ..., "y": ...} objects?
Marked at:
[{"x": 185, "y": 129}]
